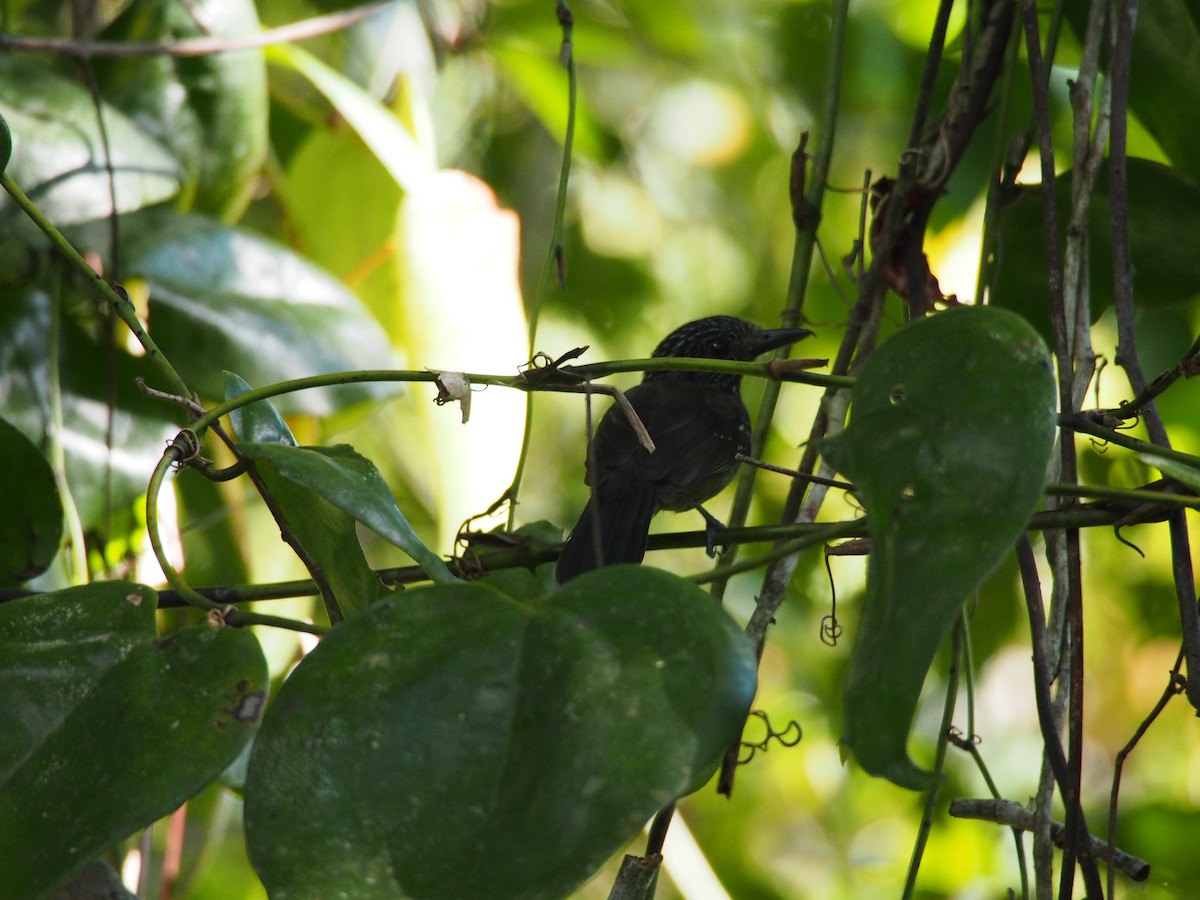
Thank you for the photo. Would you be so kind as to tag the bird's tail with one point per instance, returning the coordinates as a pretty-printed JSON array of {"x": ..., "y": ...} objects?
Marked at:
[{"x": 612, "y": 529}]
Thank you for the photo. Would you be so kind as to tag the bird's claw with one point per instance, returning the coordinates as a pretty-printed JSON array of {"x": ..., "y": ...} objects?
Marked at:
[
  {"x": 712, "y": 525},
  {"x": 710, "y": 542}
]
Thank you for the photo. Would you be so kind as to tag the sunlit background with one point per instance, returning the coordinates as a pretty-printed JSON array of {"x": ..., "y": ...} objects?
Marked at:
[{"x": 416, "y": 157}]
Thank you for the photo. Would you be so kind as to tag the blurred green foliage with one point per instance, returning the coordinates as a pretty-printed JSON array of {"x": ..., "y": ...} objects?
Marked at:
[{"x": 382, "y": 197}]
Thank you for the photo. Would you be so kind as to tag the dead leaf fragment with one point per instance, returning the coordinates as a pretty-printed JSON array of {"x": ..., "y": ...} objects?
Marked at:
[{"x": 454, "y": 386}]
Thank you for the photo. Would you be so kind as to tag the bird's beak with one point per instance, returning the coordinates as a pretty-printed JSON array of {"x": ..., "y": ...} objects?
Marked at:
[{"x": 767, "y": 339}]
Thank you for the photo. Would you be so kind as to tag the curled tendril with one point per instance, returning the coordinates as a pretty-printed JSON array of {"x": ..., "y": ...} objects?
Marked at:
[
  {"x": 467, "y": 541},
  {"x": 789, "y": 737},
  {"x": 1124, "y": 540},
  {"x": 187, "y": 446},
  {"x": 467, "y": 536},
  {"x": 1131, "y": 423},
  {"x": 542, "y": 367},
  {"x": 856, "y": 504},
  {"x": 831, "y": 630}
]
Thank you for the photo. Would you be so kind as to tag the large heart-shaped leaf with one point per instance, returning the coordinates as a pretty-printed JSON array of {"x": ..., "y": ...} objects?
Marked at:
[
  {"x": 460, "y": 743},
  {"x": 952, "y": 427},
  {"x": 108, "y": 726}
]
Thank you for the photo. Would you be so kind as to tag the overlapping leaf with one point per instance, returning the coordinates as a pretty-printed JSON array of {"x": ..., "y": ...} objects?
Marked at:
[
  {"x": 461, "y": 743},
  {"x": 107, "y": 726},
  {"x": 58, "y": 156},
  {"x": 1163, "y": 230},
  {"x": 351, "y": 483},
  {"x": 32, "y": 525},
  {"x": 110, "y": 451},
  {"x": 210, "y": 110},
  {"x": 238, "y": 301}
]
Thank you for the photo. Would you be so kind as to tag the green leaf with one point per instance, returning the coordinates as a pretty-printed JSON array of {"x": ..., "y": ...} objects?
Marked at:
[
  {"x": 96, "y": 705},
  {"x": 952, "y": 428},
  {"x": 139, "y": 425},
  {"x": 1173, "y": 468},
  {"x": 58, "y": 156},
  {"x": 32, "y": 525},
  {"x": 404, "y": 158},
  {"x": 1166, "y": 36},
  {"x": 329, "y": 540},
  {"x": 1163, "y": 232},
  {"x": 97, "y": 626},
  {"x": 536, "y": 544},
  {"x": 258, "y": 423},
  {"x": 459, "y": 743},
  {"x": 539, "y": 79},
  {"x": 351, "y": 483},
  {"x": 237, "y": 301},
  {"x": 349, "y": 226},
  {"x": 5, "y": 144},
  {"x": 327, "y": 535},
  {"x": 211, "y": 110}
]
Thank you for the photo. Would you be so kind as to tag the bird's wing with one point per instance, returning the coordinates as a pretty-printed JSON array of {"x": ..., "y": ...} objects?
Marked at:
[{"x": 696, "y": 433}]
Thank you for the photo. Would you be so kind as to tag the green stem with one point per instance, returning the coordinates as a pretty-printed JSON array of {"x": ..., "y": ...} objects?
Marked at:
[
  {"x": 1130, "y": 495},
  {"x": 939, "y": 767},
  {"x": 171, "y": 456},
  {"x": 239, "y": 618},
  {"x": 1080, "y": 422},
  {"x": 770, "y": 370},
  {"x": 521, "y": 382},
  {"x": 120, "y": 305},
  {"x": 229, "y": 615},
  {"x": 554, "y": 253},
  {"x": 820, "y": 535},
  {"x": 77, "y": 571},
  {"x": 528, "y": 558},
  {"x": 802, "y": 252}
]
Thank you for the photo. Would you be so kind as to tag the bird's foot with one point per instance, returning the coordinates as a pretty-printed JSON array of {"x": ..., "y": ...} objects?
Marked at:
[{"x": 712, "y": 525}]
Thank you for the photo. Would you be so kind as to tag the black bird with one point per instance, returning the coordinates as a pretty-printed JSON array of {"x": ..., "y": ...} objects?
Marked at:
[{"x": 698, "y": 423}]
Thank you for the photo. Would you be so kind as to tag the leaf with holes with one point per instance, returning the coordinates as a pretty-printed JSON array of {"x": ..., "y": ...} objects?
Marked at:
[{"x": 951, "y": 431}]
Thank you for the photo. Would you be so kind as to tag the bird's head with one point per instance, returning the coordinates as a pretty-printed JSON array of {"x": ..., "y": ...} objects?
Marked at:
[{"x": 722, "y": 337}]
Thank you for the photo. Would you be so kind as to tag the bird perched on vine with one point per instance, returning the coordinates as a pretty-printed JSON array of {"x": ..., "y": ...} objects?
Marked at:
[{"x": 698, "y": 423}]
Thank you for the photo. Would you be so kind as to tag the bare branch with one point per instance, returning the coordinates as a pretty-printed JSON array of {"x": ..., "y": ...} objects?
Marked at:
[{"x": 1012, "y": 814}]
